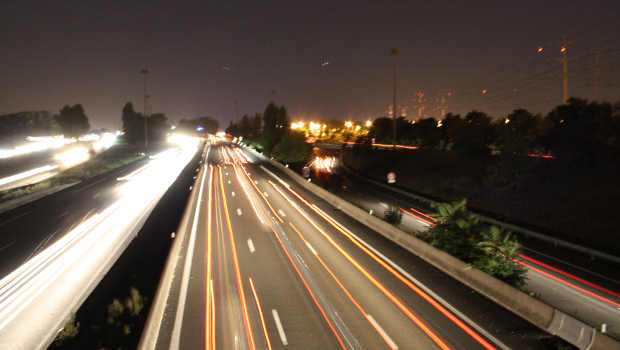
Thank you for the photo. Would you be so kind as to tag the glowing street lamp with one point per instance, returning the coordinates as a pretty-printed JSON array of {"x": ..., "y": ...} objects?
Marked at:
[
  {"x": 368, "y": 123},
  {"x": 348, "y": 124}
]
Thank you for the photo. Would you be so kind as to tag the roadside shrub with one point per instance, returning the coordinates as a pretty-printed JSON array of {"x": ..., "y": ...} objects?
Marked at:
[{"x": 490, "y": 249}]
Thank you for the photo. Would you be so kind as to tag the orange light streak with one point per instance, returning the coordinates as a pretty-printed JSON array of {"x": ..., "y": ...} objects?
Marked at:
[
  {"x": 344, "y": 289},
  {"x": 303, "y": 280},
  {"x": 208, "y": 312},
  {"x": 246, "y": 317},
  {"x": 429, "y": 332},
  {"x": 260, "y": 313}
]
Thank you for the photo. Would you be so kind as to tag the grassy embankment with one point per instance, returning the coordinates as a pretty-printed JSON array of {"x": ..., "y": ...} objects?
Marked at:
[
  {"x": 560, "y": 199},
  {"x": 117, "y": 156}
]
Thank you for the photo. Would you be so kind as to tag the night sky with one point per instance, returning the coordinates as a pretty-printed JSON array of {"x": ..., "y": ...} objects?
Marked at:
[{"x": 320, "y": 59}]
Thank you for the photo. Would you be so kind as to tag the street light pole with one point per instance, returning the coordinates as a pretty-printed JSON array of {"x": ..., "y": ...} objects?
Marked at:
[
  {"x": 394, "y": 52},
  {"x": 145, "y": 72}
]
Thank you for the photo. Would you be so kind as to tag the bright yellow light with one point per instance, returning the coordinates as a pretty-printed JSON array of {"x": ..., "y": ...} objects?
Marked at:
[
  {"x": 507, "y": 120},
  {"x": 540, "y": 49},
  {"x": 368, "y": 123},
  {"x": 563, "y": 49},
  {"x": 439, "y": 123},
  {"x": 348, "y": 124},
  {"x": 357, "y": 128}
]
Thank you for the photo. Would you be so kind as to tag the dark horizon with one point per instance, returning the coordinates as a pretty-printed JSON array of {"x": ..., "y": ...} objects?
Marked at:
[{"x": 319, "y": 60}]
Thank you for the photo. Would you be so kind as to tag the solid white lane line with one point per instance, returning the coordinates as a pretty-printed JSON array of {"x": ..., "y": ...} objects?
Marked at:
[
  {"x": 178, "y": 320},
  {"x": 281, "y": 213},
  {"x": 382, "y": 332},
  {"x": 276, "y": 317},
  {"x": 233, "y": 193},
  {"x": 251, "y": 245},
  {"x": 239, "y": 211},
  {"x": 311, "y": 248}
]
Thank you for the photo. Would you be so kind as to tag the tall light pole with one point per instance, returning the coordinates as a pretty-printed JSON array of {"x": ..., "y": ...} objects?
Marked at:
[
  {"x": 145, "y": 72},
  {"x": 393, "y": 53},
  {"x": 564, "y": 75}
]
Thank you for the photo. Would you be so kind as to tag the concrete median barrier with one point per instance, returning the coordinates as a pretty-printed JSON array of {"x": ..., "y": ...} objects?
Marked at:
[{"x": 533, "y": 310}]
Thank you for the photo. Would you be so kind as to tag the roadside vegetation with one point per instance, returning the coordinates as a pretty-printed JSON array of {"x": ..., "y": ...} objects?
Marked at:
[
  {"x": 487, "y": 248},
  {"x": 270, "y": 134},
  {"x": 556, "y": 173}
]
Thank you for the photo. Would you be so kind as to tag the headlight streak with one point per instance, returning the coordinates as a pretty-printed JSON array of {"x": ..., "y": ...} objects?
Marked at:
[
  {"x": 398, "y": 275},
  {"x": 247, "y": 193},
  {"x": 308, "y": 287},
  {"x": 402, "y": 278},
  {"x": 36, "y": 144},
  {"x": 260, "y": 313},
  {"x": 429, "y": 332},
  {"x": 382, "y": 333},
  {"x": 210, "y": 303},
  {"x": 72, "y": 157},
  {"x": 87, "y": 251},
  {"x": 246, "y": 317},
  {"x": 27, "y": 174},
  {"x": 307, "y": 281}
]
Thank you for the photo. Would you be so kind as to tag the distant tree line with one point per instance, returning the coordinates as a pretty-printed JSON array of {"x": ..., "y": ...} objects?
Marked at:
[
  {"x": 587, "y": 133},
  {"x": 270, "y": 132}
]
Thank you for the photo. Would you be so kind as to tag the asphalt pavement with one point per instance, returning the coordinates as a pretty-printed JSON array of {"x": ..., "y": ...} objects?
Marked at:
[
  {"x": 554, "y": 275},
  {"x": 265, "y": 264}
]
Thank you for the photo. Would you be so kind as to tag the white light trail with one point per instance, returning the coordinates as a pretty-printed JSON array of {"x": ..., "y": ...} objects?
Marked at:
[
  {"x": 27, "y": 174},
  {"x": 47, "y": 288}
]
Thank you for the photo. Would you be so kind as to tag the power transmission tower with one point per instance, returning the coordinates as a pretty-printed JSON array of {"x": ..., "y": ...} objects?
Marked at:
[
  {"x": 443, "y": 103},
  {"x": 145, "y": 72},
  {"x": 564, "y": 60},
  {"x": 420, "y": 104}
]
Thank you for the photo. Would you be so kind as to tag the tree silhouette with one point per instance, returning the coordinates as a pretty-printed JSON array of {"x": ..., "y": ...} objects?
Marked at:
[{"x": 72, "y": 120}]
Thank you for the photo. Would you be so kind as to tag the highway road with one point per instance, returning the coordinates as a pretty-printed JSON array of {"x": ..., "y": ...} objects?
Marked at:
[
  {"x": 591, "y": 296},
  {"x": 57, "y": 249},
  {"x": 266, "y": 265}
]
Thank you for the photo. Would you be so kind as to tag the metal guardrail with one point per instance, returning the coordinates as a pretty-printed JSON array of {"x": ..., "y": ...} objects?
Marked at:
[{"x": 484, "y": 218}]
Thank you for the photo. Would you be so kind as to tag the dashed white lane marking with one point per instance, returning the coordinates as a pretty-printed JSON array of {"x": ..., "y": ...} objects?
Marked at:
[
  {"x": 281, "y": 213},
  {"x": 251, "y": 245},
  {"x": 239, "y": 211},
  {"x": 276, "y": 317},
  {"x": 382, "y": 332},
  {"x": 266, "y": 194},
  {"x": 311, "y": 248},
  {"x": 233, "y": 193}
]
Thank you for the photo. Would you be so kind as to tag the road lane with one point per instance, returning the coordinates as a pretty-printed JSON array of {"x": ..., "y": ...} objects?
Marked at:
[{"x": 270, "y": 271}]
